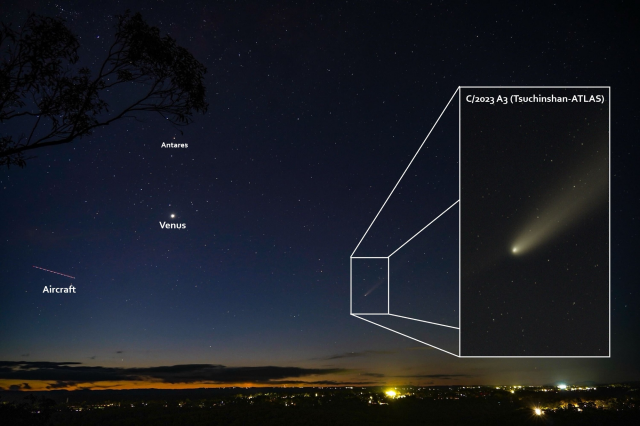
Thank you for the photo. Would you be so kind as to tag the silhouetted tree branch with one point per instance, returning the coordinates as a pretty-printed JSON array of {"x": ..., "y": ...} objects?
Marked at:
[{"x": 58, "y": 104}]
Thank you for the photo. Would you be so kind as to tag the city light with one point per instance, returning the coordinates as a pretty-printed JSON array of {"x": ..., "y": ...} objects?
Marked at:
[
  {"x": 562, "y": 387},
  {"x": 538, "y": 411},
  {"x": 391, "y": 393}
]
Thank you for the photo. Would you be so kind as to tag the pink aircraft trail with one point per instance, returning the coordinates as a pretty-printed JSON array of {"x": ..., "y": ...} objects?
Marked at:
[{"x": 54, "y": 272}]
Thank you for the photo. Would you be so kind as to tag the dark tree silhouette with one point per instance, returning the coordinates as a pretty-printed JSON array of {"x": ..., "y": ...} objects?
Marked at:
[{"x": 56, "y": 103}]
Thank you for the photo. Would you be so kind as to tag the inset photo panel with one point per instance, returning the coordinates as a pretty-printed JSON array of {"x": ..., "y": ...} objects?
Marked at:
[{"x": 534, "y": 222}]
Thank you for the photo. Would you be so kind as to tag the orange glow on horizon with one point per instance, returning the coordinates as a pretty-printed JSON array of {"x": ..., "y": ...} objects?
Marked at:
[{"x": 41, "y": 385}]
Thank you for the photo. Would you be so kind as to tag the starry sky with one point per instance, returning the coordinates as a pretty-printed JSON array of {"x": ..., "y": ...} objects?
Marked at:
[{"x": 315, "y": 110}]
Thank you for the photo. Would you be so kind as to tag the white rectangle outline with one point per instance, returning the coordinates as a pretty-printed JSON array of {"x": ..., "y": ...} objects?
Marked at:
[
  {"x": 351, "y": 284},
  {"x": 369, "y": 313},
  {"x": 460, "y": 217},
  {"x": 369, "y": 257}
]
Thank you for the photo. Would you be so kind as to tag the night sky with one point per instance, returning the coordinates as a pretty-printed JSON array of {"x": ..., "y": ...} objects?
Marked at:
[{"x": 315, "y": 111}]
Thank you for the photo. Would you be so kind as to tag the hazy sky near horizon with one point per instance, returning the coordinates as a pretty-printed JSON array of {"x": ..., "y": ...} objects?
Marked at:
[{"x": 315, "y": 111}]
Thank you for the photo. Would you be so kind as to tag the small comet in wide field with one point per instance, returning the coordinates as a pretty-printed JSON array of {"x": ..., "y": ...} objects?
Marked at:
[
  {"x": 54, "y": 272},
  {"x": 374, "y": 287}
]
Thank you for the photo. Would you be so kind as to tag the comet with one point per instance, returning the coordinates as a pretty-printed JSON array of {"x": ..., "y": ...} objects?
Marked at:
[
  {"x": 374, "y": 287},
  {"x": 54, "y": 272},
  {"x": 575, "y": 197}
]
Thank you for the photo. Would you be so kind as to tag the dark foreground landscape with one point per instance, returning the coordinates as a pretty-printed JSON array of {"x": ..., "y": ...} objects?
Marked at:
[{"x": 508, "y": 405}]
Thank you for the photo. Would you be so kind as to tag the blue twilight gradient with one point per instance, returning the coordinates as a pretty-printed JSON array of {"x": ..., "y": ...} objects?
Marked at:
[{"x": 315, "y": 111}]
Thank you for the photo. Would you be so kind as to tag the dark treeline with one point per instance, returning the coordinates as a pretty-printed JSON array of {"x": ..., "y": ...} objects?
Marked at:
[{"x": 316, "y": 406}]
